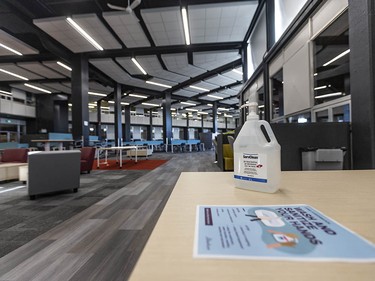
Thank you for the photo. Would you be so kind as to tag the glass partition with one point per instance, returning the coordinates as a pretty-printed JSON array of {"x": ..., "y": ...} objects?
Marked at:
[
  {"x": 277, "y": 89},
  {"x": 331, "y": 61}
]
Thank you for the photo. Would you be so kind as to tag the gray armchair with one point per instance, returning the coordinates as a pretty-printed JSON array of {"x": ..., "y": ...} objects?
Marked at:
[{"x": 51, "y": 171}]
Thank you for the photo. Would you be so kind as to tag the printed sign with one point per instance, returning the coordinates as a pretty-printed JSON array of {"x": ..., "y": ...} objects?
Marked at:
[{"x": 285, "y": 232}]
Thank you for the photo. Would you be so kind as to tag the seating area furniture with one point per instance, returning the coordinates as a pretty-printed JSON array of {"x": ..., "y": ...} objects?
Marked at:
[
  {"x": 224, "y": 152},
  {"x": 87, "y": 159},
  {"x": 10, "y": 171},
  {"x": 228, "y": 157},
  {"x": 51, "y": 171},
  {"x": 11, "y": 160},
  {"x": 14, "y": 155}
]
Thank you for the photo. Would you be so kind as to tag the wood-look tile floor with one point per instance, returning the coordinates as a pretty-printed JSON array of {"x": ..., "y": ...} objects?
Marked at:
[{"x": 104, "y": 241}]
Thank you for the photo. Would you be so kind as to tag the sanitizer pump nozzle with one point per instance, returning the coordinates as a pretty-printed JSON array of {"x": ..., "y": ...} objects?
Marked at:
[
  {"x": 256, "y": 156},
  {"x": 253, "y": 109}
]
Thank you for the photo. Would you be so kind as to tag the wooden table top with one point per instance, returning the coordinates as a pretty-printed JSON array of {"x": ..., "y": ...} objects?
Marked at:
[{"x": 345, "y": 196}]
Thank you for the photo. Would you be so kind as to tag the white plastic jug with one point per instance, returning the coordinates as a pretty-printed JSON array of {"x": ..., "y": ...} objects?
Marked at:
[{"x": 257, "y": 155}]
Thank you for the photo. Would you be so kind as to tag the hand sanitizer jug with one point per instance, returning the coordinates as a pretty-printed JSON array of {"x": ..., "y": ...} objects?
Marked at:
[{"x": 256, "y": 155}]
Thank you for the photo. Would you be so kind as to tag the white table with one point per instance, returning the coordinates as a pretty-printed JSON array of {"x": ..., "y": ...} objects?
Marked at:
[
  {"x": 345, "y": 196},
  {"x": 118, "y": 150}
]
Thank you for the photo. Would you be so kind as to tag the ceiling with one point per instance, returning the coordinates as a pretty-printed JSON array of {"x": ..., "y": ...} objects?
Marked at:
[{"x": 153, "y": 34}]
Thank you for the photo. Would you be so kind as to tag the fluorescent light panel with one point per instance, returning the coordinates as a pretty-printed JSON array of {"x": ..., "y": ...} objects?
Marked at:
[
  {"x": 192, "y": 109},
  {"x": 38, "y": 88},
  {"x": 14, "y": 74},
  {"x": 158, "y": 84},
  {"x": 320, "y": 88},
  {"x": 329, "y": 95},
  {"x": 199, "y": 88},
  {"x": 139, "y": 66},
  {"x": 10, "y": 49},
  {"x": 337, "y": 57},
  {"x": 97, "y": 94},
  {"x": 64, "y": 66},
  {"x": 84, "y": 34},
  {"x": 186, "y": 25},
  {"x": 222, "y": 108},
  {"x": 203, "y": 113},
  {"x": 215, "y": 97},
  {"x": 137, "y": 96},
  {"x": 187, "y": 103},
  {"x": 237, "y": 71},
  {"x": 5, "y": 92},
  {"x": 150, "y": 104}
]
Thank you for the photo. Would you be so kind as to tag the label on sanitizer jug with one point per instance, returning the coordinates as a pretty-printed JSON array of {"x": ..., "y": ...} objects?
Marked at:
[{"x": 253, "y": 168}]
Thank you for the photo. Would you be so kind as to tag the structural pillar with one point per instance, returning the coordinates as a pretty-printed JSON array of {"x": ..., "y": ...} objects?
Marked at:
[
  {"x": 149, "y": 128},
  {"x": 167, "y": 119},
  {"x": 118, "y": 121},
  {"x": 362, "y": 86},
  {"x": 127, "y": 134},
  {"x": 80, "y": 110},
  {"x": 99, "y": 119},
  {"x": 214, "y": 115}
]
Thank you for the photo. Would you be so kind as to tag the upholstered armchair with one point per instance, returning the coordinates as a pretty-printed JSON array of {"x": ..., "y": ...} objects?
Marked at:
[
  {"x": 87, "y": 158},
  {"x": 14, "y": 155}
]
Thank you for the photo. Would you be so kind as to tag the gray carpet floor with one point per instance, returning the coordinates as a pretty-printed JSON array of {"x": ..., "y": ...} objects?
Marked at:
[{"x": 22, "y": 219}]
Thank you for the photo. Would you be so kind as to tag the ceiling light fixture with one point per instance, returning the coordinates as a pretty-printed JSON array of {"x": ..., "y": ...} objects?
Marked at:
[
  {"x": 13, "y": 74},
  {"x": 122, "y": 103},
  {"x": 199, "y": 88},
  {"x": 210, "y": 104},
  {"x": 150, "y": 104},
  {"x": 139, "y": 66},
  {"x": 222, "y": 108},
  {"x": 64, "y": 66},
  {"x": 329, "y": 95},
  {"x": 237, "y": 71},
  {"x": 337, "y": 57},
  {"x": 215, "y": 97},
  {"x": 192, "y": 109},
  {"x": 320, "y": 88},
  {"x": 84, "y": 33},
  {"x": 4, "y": 92},
  {"x": 225, "y": 115},
  {"x": 10, "y": 49},
  {"x": 37, "y": 88},
  {"x": 186, "y": 25},
  {"x": 159, "y": 84},
  {"x": 187, "y": 103},
  {"x": 97, "y": 94},
  {"x": 261, "y": 106},
  {"x": 203, "y": 113},
  {"x": 137, "y": 96}
]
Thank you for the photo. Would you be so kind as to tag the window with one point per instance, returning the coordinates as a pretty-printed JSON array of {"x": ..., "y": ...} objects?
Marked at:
[
  {"x": 277, "y": 89},
  {"x": 285, "y": 12},
  {"x": 331, "y": 62}
]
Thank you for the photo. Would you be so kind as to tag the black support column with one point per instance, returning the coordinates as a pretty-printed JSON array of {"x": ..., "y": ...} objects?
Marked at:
[
  {"x": 362, "y": 85},
  {"x": 167, "y": 119},
  {"x": 80, "y": 87},
  {"x": 127, "y": 123},
  {"x": 214, "y": 116},
  {"x": 118, "y": 121},
  {"x": 149, "y": 128},
  {"x": 99, "y": 119}
]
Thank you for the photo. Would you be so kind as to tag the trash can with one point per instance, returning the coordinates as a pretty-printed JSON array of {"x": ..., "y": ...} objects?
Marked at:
[{"x": 314, "y": 158}]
